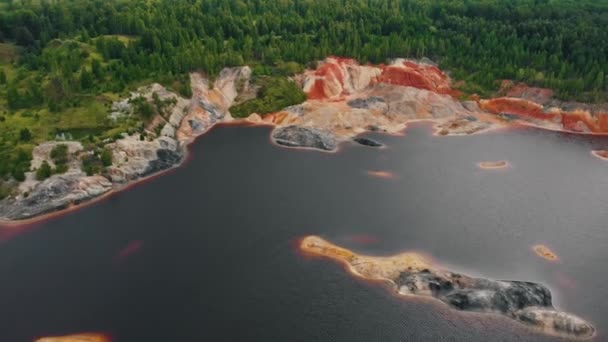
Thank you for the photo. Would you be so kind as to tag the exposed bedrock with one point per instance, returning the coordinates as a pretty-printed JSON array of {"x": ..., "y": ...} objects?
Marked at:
[
  {"x": 54, "y": 193},
  {"x": 527, "y": 302},
  {"x": 298, "y": 136},
  {"x": 412, "y": 274},
  {"x": 134, "y": 158}
]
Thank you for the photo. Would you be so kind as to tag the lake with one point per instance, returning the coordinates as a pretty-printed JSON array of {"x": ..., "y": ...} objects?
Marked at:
[{"x": 207, "y": 251}]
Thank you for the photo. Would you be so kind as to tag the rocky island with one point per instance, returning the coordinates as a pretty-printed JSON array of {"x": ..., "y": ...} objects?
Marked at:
[
  {"x": 343, "y": 100},
  {"x": 412, "y": 274}
]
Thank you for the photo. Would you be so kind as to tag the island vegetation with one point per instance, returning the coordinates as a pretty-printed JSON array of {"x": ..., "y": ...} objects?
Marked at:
[{"x": 64, "y": 62}]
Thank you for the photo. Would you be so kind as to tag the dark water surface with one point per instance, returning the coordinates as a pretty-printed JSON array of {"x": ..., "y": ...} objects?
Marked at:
[{"x": 210, "y": 247}]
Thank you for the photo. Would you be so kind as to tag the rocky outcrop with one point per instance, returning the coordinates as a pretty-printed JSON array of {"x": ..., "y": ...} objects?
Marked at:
[
  {"x": 421, "y": 75},
  {"x": 411, "y": 274},
  {"x": 54, "y": 193},
  {"x": 297, "y": 136},
  {"x": 134, "y": 158},
  {"x": 337, "y": 77},
  {"x": 347, "y": 99},
  {"x": 210, "y": 104}
]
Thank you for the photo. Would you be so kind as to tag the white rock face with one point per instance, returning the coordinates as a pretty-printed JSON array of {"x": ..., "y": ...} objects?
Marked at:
[
  {"x": 134, "y": 158},
  {"x": 227, "y": 84},
  {"x": 210, "y": 106}
]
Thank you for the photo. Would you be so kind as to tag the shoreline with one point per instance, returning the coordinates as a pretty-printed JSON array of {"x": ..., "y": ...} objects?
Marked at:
[
  {"x": 117, "y": 188},
  {"x": 243, "y": 122}
]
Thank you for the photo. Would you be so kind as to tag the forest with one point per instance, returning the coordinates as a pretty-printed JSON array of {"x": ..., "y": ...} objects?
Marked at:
[{"x": 63, "y": 61}]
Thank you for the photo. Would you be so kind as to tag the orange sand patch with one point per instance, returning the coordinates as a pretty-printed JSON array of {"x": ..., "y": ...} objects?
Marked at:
[
  {"x": 368, "y": 267},
  {"x": 545, "y": 253},
  {"x": 602, "y": 154},
  {"x": 381, "y": 174},
  {"x": 88, "y": 337},
  {"x": 492, "y": 165}
]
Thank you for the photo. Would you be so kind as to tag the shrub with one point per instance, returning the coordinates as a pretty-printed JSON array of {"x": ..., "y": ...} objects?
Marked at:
[
  {"x": 25, "y": 135},
  {"x": 275, "y": 94},
  {"x": 106, "y": 157},
  {"x": 59, "y": 154},
  {"x": 44, "y": 171}
]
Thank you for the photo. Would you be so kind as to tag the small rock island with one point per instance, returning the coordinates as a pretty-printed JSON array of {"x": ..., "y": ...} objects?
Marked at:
[
  {"x": 545, "y": 252},
  {"x": 491, "y": 165},
  {"x": 92, "y": 337},
  {"x": 412, "y": 274}
]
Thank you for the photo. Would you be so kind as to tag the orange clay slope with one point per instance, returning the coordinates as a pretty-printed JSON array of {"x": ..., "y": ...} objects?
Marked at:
[{"x": 339, "y": 79}]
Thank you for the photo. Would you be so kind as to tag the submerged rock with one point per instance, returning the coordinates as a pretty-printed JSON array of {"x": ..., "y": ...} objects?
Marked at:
[
  {"x": 297, "y": 136},
  {"x": 411, "y": 274},
  {"x": 368, "y": 142}
]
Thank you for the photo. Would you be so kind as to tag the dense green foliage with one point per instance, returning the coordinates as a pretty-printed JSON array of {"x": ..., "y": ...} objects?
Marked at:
[
  {"x": 275, "y": 93},
  {"x": 63, "y": 62},
  {"x": 44, "y": 171},
  {"x": 106, "y": 157},
  {"x": 558, "y": 43},
  {"x": 59, "y": 154}
]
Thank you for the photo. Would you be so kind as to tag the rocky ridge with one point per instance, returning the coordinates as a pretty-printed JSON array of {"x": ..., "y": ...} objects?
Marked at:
[{"x": 411, "y": 274}]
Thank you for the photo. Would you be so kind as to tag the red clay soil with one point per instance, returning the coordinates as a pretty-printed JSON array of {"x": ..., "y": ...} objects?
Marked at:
[
  {"x": 420, "y": 76},
  {"x": 580, "y": 121},
  {"x": 517, "y": 107},
  {"x": 407, "y": 73},
  {"x": 576, "y": 121},
  {"x": 521, "y": 90},
  {"x": 519, "y": 99},
  {"x": 328, "y": 71},
  {"x": 317, "y": 92}
]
